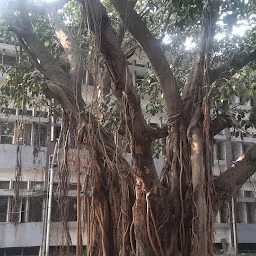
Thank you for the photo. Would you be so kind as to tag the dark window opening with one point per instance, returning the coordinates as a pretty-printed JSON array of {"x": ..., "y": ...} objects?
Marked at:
[
  {"x": 224, "y": 214},
  {"x": 41, "y": 113},
  {"x": 30, "y": 251},
  {"x": 40, "y": 137},
  {"x": 6, "y": 133},
  {"x": 15, "y": 210},
  {"x": 23, "y": 210},
  {"x": 35, "y": 209},
  {"x": 25, "y": 137},
  {"x": 3, "y": 208},
  {"x": 72, "y": 211},
  {"x": 57, "y": 132},
  {"x": 4, "y": 184},
  {"x": 220, "y": 151},
  {"x": 248, "y": 193},
  {"x": 55, "y": 210},
  {"x": 8, "y": 111},
  {"x": 35, "y": 185},
  {"x": 72, "y": 186},
  {"x": 25, "y": 112},
  {"x": 17, "y": 251},
  {"x": 246, "y": 248},
  {"x": 20, "y": 184},
  {"x": 249, "y": 212}
]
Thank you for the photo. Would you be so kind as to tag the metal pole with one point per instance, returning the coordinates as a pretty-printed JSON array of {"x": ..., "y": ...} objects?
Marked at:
[
  {"x": 234, "y": 224},
  {"x": 50, "y": 203},
  {"x": 49, "y": 152},
  {"x": 229, "y": 157}
]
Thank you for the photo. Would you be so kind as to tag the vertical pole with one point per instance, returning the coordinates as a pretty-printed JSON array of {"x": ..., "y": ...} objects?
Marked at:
[
  {"x": 79, "y": 229},
  {"x": 49, "y": 177},
  {"x": 234, "y": 224},
  {"x": 48, "y": 227},
  {"x": 229, "y": 157}
]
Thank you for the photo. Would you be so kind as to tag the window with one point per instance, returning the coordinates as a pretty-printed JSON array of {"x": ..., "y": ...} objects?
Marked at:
[
  {"x": 18, "y": 210},
  {"x": 55, "y": 210},
  {"x": 72, "y": 186},
  {"x": 35, "y": 209},
  {"x": 72, "y": 211},
  {"x": 30, "y": 251},
  {"x": 224, "y": 214},
  {"x": 41, "y": 113},
  {"x": 37, "y": 185},
  {"x": 248, "y": 193},
  {"x": 25, "y": 137},
  {"x": 8, "y": 111},
  {"x": 250, "y": 212},
  {"x": 40, "y": 137},
  {"x": 23, "y": 211},
  {"x": 3, "y": 208},
  {"x": 20, "y": 184},
  {"x": 240, "y": 212},
  {"x": 220, "y": 148},
  {"x": 17, "y": 251},
  {"x": 57, "y": 132},
  {"x": 25, "y": 112},
  {"x": 236, "y": 151},
  {"x": 4, "y": 184},
  {"x": 15, "y": 210},
  {"x": 6, "y": 132}
]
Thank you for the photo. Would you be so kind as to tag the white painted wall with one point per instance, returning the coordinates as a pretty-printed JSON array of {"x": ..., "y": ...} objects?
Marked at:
[
  {"x": 31, "y": 158},
  {"x": 30, "y": 234}
]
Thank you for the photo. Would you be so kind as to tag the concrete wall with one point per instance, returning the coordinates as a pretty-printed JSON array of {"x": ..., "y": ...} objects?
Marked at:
[
  {"x": 246, "y": 233},
  {"x": 222, "y": 231},
  {"x": 31, "y": 157},
  {"x": 30, "y": 234}
]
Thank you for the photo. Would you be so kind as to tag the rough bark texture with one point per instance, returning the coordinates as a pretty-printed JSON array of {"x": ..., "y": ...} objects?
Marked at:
[{"x": 131, "y": 210}]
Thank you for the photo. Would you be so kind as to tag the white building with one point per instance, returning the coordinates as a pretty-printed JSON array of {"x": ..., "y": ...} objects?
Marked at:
[{"x": 22, "y": 227}]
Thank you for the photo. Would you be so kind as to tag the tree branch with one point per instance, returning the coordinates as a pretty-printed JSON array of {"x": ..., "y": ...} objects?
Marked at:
[
  {"x": 59, "y": 80},
  {"x": 125, "y": 92},
  {"x": 72, "y": 49},
  {"x": 121, "y": 32},
  {"x": 199, "y": 75},
  {"x": 28, "y": 52},
  {"x": 228, "y": 183},
  {"x": 220, "y": 123},
  {"x": 229, "y": 68},
  {"x": 122, "y": 28},
  {"x": 152, "y": 48},
  {"x": 166, "y": 24},
  {"x": 50, "y": 67}
]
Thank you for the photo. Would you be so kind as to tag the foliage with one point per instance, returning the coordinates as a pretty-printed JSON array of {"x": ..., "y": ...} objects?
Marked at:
[
  {"x": 24, "y": 87},
  {"x": 178, "y": 22}
]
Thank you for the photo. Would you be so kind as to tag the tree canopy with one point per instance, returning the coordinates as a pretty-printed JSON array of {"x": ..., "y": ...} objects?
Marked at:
[{"x": 201, "y": 54}]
